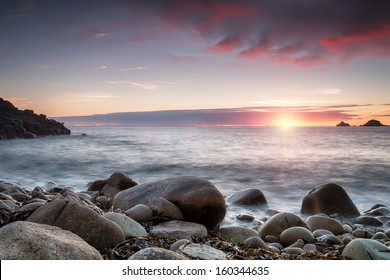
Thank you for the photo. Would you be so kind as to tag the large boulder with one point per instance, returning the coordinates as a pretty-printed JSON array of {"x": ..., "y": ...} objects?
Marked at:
[
  {"x": 116, "y": 183},
  {"x": 366, "y": 249},
  {"x": 247, "y": 197},
  {"x": 329, "y": 199},
  {"x": 30, "y": 241},
  {"x": 68, "y": 214},
  {"x": 198, "y": 199}
]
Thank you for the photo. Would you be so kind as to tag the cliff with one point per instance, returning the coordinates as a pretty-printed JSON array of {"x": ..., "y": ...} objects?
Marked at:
[{"x": 15, "y": 123}]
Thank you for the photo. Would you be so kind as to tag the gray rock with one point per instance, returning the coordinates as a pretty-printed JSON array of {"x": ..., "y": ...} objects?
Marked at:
[
  {"x": 378, "y": 211},
  {"x": 297, "y": 244},
  {"x": 329, "y": 199},
  {"x": 271, "y": 239},
  {"x": 329, "y": 240},
  {"x": 103, "y": 202},
  {"x": 310, "y": 248},
  {"x": 348, "y": 228},
  {"x": 280, "y": 222},
  {"x": 30, "y": 241},
  {"x": 13, "y": 190},
  {"x": 361, "y": 233},
  {"x": 380, "y": 235},
  {"x": 293, "y": 251},
  {"x": 154, "y": 253},
  {"x": 128, "y": 225},
  {"x": 366, "y": 249},
  {"x": 247, "y": 197},
  {"x": 236, "y": 234},
  {"x": 165, "y": 208},
  {"x": 387, "y": 232},
  {"x": 320, "y": 232},
  {"x": 368, "y": 220},
  {"x": 291, "y": 235},
  {"x": 8, "y": 205},
  {"x": 116, "y": 183},
  {"x": 177, "y": 244},
  {"x": 31, "y": 206},
  {"x": 179, "y": 229},
  {"x": 202, "y": 252},
  {"x": 255, "y": 242},
  {"x": 198, "y": 199},
  {"x": 140, "y": 212},
  {"x": 245, "y": 217},
  {"x": 320, "y": 222}
]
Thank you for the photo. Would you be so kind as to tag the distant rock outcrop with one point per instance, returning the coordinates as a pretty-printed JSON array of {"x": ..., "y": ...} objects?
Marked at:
[
  {"x": 343, "y": 124},
  {"x": 373, "y": 123},
  {"x": 15, "y": 123}
]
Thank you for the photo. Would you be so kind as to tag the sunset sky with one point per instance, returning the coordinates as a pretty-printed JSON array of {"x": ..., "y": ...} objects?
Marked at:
[{"x": 216, "y": 62}]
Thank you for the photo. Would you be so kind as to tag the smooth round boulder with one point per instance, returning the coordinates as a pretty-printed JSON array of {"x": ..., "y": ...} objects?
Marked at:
[
  {"x": 366, "y": 249},
  {"x": 164, "y": 208},
  {"x": 202, "y": 252},
  {"x": 329, "y": 199},
  {"x": 198, "y": 199},
  {"x": 280, "y": 222},
  {"x": 321, "y": 222},
  {"x": 179, "y": 230},
  {"x": 140, "y": 212},
  {"x": 31, "y": 241},
  {"x": 291, "y": 235},
  {"x": 116, "y": 183},
  {"x": 154, "y": 253},
  {"x": 368, "y": 220},
  {"x": 255, "y": 242},
  {"x": 247, "y": 197},
  {"x": 236, "y": 234},
  {"x": 127, "y": 224}
]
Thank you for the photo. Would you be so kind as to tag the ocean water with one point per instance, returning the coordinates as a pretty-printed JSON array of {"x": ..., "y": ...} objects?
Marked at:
[{"x": 284, "y": 163}]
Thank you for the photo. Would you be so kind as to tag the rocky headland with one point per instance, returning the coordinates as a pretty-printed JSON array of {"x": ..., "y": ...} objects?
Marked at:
[
  {"x": 183, "y": 218},
  {"x": 15, "y": 123},
  {"x": 369, "y": 123}
]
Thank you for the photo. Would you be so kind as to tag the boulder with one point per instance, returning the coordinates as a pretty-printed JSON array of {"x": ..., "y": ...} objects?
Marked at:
[
  {"x": 140, "y": 212},
  {"x": 255, "y": 242},
  {"x": 179, "y": 230},
  {"x": 71, "y": 215},
  {"x": 14, "y": 191},
  {"x": 368, "y": 220},
  {"x": 236, "y": 234},
  {"x": 198, "y": 199},
  {"x": 291, "y": 235},
  {"x": 164, "y": 208},
  {"x": 154, "y": 253},
  {"x": 30, "y": 241},
  {"x": 202, "y": 252},
  {"x": 280, "y": 222},
  {"x": 247, "y": 197},
  {"x": 327, "y": 223},
  {"x": 329, "y": 199},
  {"x": 116, "y": 183},
  {"x": 128, "y": 225},
  {"x": 366, "y": 249}
]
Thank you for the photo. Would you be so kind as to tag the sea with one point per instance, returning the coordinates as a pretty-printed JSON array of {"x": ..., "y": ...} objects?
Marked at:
[{"x": 285, "y": 163}]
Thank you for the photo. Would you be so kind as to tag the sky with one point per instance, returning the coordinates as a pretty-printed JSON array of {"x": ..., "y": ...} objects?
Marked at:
[{"x": 215, "y": 62}]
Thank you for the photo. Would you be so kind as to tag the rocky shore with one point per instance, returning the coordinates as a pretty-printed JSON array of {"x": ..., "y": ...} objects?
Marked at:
[
  {"x": 183, "y": 218},
  {"x": 15, "y": 123}
]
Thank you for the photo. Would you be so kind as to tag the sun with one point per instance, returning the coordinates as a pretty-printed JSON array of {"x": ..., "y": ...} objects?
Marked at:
[{"x": 286, "y": 122}]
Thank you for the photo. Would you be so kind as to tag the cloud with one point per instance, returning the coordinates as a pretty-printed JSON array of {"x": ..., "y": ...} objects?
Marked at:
[
  {"x": 106, "y": 68},
  {"x": 144, "y": 85},
  {"x": 305, "y": 33}
]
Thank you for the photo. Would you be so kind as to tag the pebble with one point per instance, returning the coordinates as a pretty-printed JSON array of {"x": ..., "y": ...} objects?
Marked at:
[
  {"x": 291, "y": 235},
  {"x": 293, "y": 250},
  {"x": 361, "y": 233},
  {"x": 164, "y": 208},
  {"x": 255, "y": 242},
  {"x": 368, "y": 220},
  {"x": 380, "y": 235},
  {"x": 202, "y": 252},
  {"x": 236, "y": 234},
  {"x": 181, "y": 242},
  {"x": 310, "y": 248},
  {"x": 329, "y": 240},
  {"x": 299, "y": 244},
  {"x": 320, "y": 232},
  {"x": 128, "y": 225},
  {"x": 348, "y": 228},
  {"x": 271, "y": 239},
  {"x": 179, "y": 229}
]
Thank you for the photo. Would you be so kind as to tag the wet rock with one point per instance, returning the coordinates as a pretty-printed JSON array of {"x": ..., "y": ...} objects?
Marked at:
[
  {"x": 68, "y": 212},
  {"x": 13, "y": 190},
  {"x": 128, "y": 225},
  {"x": 366, "y": 249},
  {"x": 140, "y": 212},
  {"x": 291, "y": 235},
  {"x": 179, "y": 243},
  {"x": 293, "y": 250},
  {"x": 30, "y": 241},
  {"x": 348, "y": 228},
  {"x": 361, "y": 233},
  {"x": 245, "y": 217},
  {"x": 310, "y": 248},
  {"x": 202, "y": 252},
  {"x": 198, "y": 199},
  {"x": 329, "y": 199},
  {"x": 179, "y": 229},
  {"x": 320, "y": 232},
  {"x": 154, "y": 253},
  {"x": 116, "y": 183},
  {"x": 247, "y": 197},
  {"x": 255, "y": 242},
  {"x": 380, "y": 235},
  {"x": 329, "y": 240},
  {"x": 280, "y": 222},
  {"x": 165, "y": 208},
  {"x": 381, "y": 210},
  {"x": 368, "y": 220},
  {"x": 320, "y": 222},
  {"x": 236, "y": 234}
]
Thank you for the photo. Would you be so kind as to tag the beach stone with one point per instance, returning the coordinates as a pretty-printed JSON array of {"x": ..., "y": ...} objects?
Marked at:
[
  {"x": 348, "y": 228},
  {"x": 140, "y": 212},
  {"x": 104, "y": 202},
  {"x": 291, "y": 235},
  {"x": 329, "y": 240},
  {"x": 198, "y": 200},
  {"x": 274, "y": 250},
  {"x": 38, "y": 192},
  {"x": 14, "y": 191},
  {"x": 271, "y": 239},
  {"x": 387, "y": 232},
  {"x": 329, "y": 199},
  {"x": 245, "y": 217},
  {"x": 116, "y": 183},
  {"x": 67, "y": 214},
  {"x": 154, "y": 253},
  {"x": 380, "y": 235},
  {"x": 164, "y": 208},
  {"x": 247, "y": 197},
  {"x": 4, "y": 196},
  {"x": 128, "y": 225},
  {"x": 236, "y": 234},
  {"x": 177, "y": 244},
  {"x": 179, "y": 229},
  {"x": 320, "y": 232},
  {"x": 361, "y": 233},
  {"x": 202, "y": 252},
  {"x": 310, "y": 248},
  {"x": 366, "y": 249},
  {"x": 8, "y": 205},
  {"x": 255, "y": 242},
  {"x": 293, "y": 251},
  {"x": 276, "y": 245},
  {"x": 280, "y": 222},
  {"x": 31, "y": 206},
  {"x": 299, "y": 244},
  {"x": 320, "y": 222},
  {"x": 368, "y": 220},
  {"x": 31, "y": 241},
  {"x": 381, "y": 210}
]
